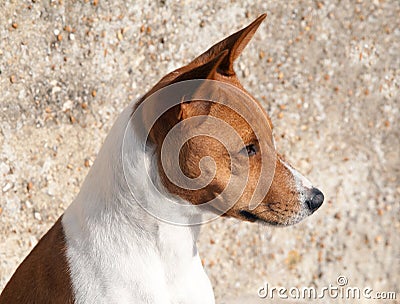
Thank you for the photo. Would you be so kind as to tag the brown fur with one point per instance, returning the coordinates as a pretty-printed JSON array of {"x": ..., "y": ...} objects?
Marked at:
[
  {"x": 282, "y": 200},
  {"x": 43, "y": 277}
]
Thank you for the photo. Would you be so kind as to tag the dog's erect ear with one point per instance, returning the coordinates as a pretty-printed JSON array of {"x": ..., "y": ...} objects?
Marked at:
[
  {"x": 216, "y": 61},
  {"x": 206, "y": 70},
  {"x": 189, "y": 105},
  {"x": 235, "y": 44}
]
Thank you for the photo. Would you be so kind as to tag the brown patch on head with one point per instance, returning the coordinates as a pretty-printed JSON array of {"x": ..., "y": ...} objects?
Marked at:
[
  {"x": 227, "y": 161},
  {"x": 280, "y": 204}
]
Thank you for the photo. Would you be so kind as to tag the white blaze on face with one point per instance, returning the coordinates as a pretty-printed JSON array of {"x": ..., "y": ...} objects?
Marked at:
[
  {"x": 302, "y": 183},
  {"x": 303, "y": 186}
]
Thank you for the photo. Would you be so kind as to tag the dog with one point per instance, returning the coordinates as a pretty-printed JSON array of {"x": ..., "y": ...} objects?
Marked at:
[{"x": 130, "y": 234}]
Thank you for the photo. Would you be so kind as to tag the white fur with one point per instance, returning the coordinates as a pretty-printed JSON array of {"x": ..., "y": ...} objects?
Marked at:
[
  {"x": 117, "y": 252},
  {"x": 301, "y": 181},
  {"x": 303, "y": 185}
]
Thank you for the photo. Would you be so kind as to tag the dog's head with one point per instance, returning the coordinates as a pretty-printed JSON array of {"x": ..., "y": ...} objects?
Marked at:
[{"x": 247, "y": 149}]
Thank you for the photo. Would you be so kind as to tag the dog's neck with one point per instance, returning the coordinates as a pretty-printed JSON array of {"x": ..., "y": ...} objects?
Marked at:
[
  {"x": 124, "y": 186},
  {"x": 107, "y": 222}
]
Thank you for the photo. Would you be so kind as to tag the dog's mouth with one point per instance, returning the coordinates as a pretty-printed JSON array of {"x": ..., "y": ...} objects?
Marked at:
[{"x": 251, "y": 217}]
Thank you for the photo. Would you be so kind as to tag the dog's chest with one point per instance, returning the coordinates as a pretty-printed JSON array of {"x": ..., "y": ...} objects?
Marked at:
[
  {"x": 186, "y": 281},
  {"x": 168, "y": 271}
]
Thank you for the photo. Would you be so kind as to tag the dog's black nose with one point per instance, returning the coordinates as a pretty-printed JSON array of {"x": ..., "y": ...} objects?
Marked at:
[{"x": 315, "y": 200}]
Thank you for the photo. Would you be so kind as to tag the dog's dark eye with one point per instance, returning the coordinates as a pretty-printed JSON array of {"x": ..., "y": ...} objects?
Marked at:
[{"x": 250, "y": 150}]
